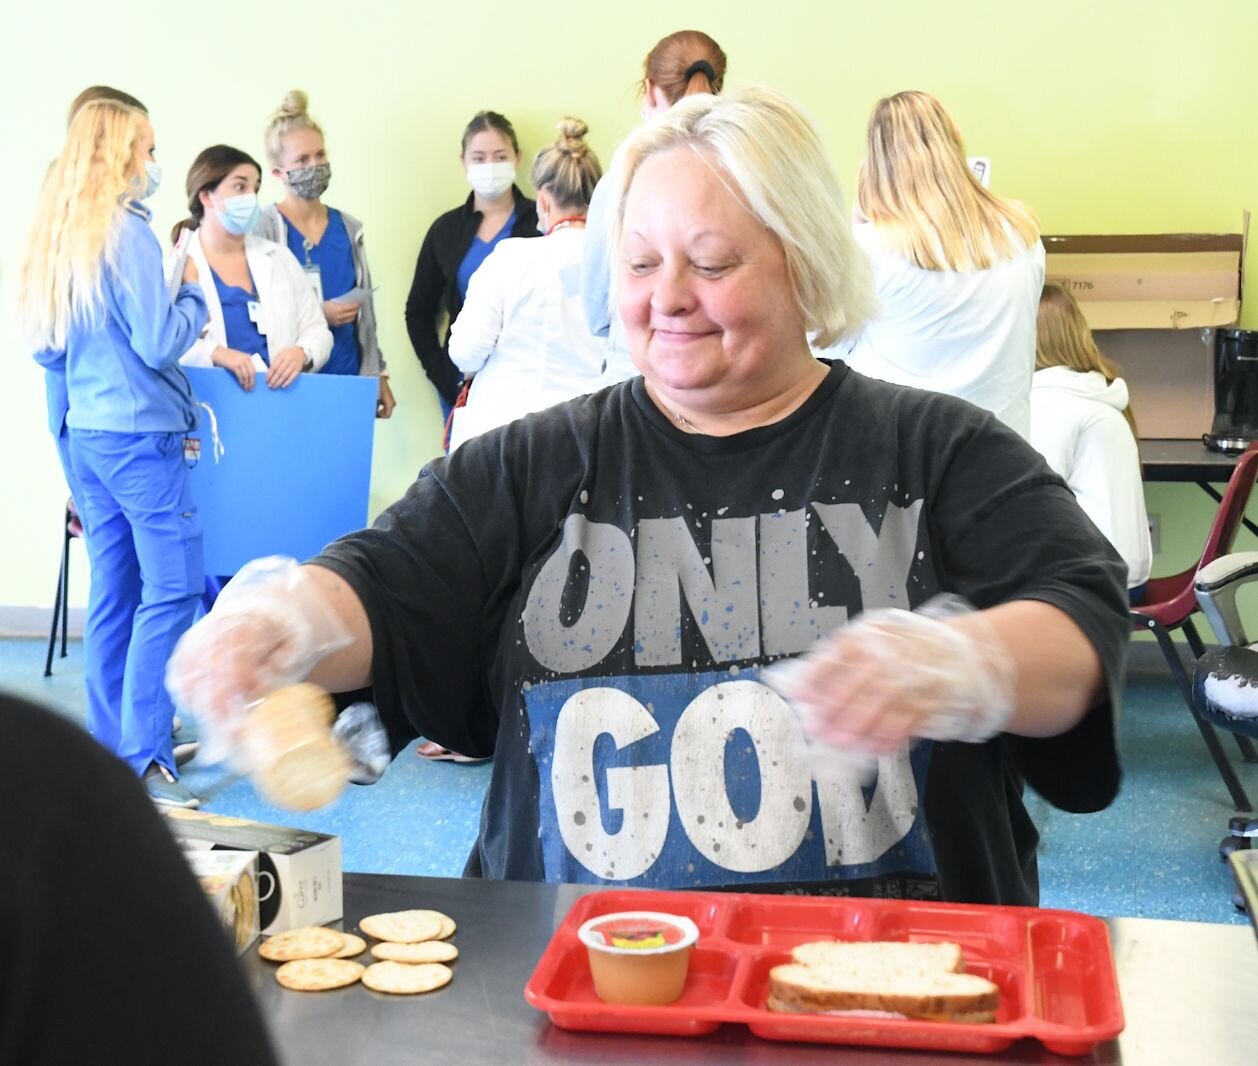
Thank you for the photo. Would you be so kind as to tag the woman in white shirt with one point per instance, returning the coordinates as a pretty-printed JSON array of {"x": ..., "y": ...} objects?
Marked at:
[
  {"x": 522, "y": 335},
  {"x": 1081, "y": 422},
  {"x": 264, "y": 314},
  {"x": 958, "y": 270}
]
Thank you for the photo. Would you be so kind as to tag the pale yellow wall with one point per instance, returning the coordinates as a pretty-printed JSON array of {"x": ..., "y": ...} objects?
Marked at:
[{"x": 1119, "y": 116}]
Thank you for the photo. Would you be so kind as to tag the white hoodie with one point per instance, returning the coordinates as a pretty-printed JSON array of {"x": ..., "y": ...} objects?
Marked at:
[{"x": 1078, "y": 426}]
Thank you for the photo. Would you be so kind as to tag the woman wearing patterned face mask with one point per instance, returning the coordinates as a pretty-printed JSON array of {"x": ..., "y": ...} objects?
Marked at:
[
  {"x": 328, "y": 243},
  {"x": 263, "y": 313},
  {"x": 460, "y": 240}
]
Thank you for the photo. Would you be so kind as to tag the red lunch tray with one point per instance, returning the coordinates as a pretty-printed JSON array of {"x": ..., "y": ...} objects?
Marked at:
[{"x": 1055, "y": 970}]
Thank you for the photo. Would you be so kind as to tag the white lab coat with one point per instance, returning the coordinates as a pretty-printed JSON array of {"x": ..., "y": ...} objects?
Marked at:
[
  {"x": 523, "y": 333},
  {"x": 290, "y": 314}
]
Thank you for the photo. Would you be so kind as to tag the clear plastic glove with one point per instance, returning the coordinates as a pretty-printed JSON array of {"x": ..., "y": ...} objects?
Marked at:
[
  {"x": 871, "y": 687},
  {"x": 268, "y": 629}
]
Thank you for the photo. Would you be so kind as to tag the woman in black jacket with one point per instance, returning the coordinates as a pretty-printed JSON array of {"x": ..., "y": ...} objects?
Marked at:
[{"x": 458, "y": 242}]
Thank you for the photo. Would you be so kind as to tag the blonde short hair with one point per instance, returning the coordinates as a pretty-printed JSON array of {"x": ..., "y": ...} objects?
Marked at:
[
  {"x": 768, "y": 153},
  {"x": 292, "y": 114},
  {"x": 917, "y": 190}
]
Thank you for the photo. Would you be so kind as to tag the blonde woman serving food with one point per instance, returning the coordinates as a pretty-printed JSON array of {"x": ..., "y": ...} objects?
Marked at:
[
  {"x": 957, "y": 269},
  {"x": 591, "y": 594}
]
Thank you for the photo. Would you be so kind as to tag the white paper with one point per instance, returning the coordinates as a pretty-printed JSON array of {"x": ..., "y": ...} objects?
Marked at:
[{"x": 354, "y": 296}]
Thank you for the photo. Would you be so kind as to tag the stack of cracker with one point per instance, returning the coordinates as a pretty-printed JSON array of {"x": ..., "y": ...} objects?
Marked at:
[{"x": 412, "y": 953}]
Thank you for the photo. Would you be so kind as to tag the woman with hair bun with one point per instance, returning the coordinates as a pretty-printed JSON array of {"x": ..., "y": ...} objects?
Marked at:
[
  {"x": 957, "y": 269},
  {"x": 328, "y": 243},
  {"x": 458, "y": 242},
  {"x": 522, "y": 331},
  {"x": 680, "y": 65}
]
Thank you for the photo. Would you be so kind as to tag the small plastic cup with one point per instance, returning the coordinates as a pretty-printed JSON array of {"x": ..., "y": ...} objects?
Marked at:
[{"x": 639, "y": 956}]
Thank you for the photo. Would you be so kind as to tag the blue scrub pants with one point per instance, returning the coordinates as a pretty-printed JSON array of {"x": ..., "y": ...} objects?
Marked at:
[{"x": 144, "y": 543}]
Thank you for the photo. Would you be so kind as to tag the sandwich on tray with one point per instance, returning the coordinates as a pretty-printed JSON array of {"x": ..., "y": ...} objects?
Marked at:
[{"x": 926, "y": 982}]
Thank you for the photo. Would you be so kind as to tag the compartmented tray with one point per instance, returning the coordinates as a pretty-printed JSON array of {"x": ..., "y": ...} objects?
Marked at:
[{"x": 1055, "y": 970}]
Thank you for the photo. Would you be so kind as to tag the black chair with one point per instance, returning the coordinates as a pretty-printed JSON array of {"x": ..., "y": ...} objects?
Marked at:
[
  {"x": 71, "y": 528},
  {"x": 1225, "y": 681}
]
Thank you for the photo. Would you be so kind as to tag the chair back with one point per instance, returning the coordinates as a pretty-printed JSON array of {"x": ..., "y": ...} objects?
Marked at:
[{"x": 1227, "y": 519}]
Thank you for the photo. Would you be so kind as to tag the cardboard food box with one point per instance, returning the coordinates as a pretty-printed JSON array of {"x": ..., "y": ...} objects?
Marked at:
[
  {"x": 230, "y": 881},
  {"x": 1154, "y": 301},
  {"x": 1153, "y": 281},
  {"x": 299, "y": 871}
]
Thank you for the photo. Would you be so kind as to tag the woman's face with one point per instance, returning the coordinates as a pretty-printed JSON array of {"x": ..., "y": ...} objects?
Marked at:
[
  {"x": 145, "y": 147},
  {"x": 240, "y": 181},
  {"x": 300, "y": 149},
  {"x": 488, "y": 146},
  {"x": 703, "y": 287}
]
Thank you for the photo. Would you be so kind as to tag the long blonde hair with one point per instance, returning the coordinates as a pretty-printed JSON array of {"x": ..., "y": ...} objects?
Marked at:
[
  {"x": 74, "y": 235},
  {"x": 917, "y": 190},
  {"x": 1062, "y": 338}
]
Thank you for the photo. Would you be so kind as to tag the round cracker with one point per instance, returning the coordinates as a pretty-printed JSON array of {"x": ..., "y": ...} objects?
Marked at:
[
  {"x": 318, "y": 975},
  {"x": 447, "y": 927},
  {"x": 403, "y": 927},
  {"x": 309, "y": 942},
  {"x": 428, "y": 951},
  {"x": 354, "y": 945},
  {"x": 401, "y": 979}
]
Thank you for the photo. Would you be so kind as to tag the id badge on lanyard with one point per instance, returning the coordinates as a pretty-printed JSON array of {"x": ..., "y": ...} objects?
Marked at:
[
  {"x": 315, "y": 279},
  {"x": 313, "y": 276}
]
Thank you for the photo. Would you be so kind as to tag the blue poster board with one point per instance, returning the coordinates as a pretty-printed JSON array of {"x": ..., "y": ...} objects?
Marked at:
[{"x": 296, "y": 467}]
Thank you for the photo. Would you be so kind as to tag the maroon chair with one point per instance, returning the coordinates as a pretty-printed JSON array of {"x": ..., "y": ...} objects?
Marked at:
[
  {"x": 61, "y": 604},
  {"x": 1170, "y": 603}
]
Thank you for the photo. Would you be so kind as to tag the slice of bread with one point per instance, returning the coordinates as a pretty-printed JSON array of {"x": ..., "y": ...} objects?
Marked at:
[
  {"x": 861, "y": 955},
  {"x": 924, "y": 981}
]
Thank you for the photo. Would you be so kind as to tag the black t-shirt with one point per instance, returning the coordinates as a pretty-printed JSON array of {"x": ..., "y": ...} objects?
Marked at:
[
  {"x": 589, "y": 593},
  {"x": 109, "y": 952}
]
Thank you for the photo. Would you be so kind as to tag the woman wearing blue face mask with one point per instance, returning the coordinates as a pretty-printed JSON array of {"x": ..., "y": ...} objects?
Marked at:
[
  {"x": 93, "y": 300},
  {"x": 459, "y": 241},
  {"x": 263, "y": 314},
  {"x": 328, "y": 243}
]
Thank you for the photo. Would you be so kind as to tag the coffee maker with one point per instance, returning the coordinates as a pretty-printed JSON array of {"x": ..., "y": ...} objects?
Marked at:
[{"x": 1235, "y": 391}]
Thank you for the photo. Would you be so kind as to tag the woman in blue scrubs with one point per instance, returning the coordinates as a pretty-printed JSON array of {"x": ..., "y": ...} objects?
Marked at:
[
  {"x": 93, "y": 298},
  {"x": 328, "y": 244}
]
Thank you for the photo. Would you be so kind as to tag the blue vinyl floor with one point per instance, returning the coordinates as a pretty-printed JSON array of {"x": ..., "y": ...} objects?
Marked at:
[{"x": 1153, "y": 854}]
